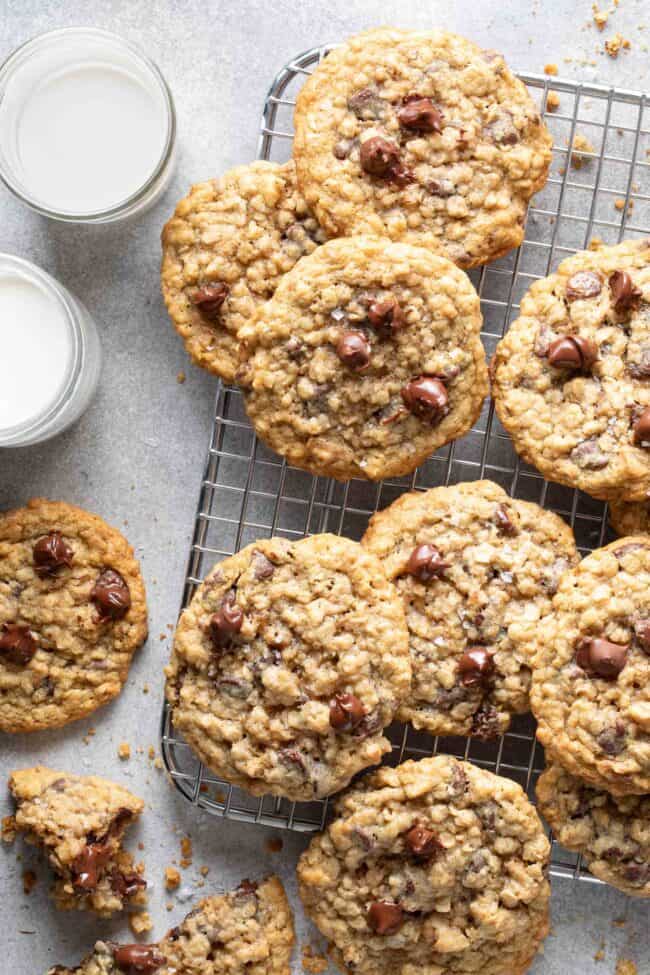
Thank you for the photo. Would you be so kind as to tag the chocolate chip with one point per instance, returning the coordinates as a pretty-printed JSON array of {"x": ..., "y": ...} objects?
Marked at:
[
  {"x": 17, "y": 644},
  {"x": 426, "y": 398},
  {"x": 583, "y": 284},
  {"x": 379, "y": 157},
  {"x": 386, "y": 316},
  {"x": 601, "y": 657},
  {"x": 459, "y": 782},
  {"x": 353, "y": 349},
  {"x": 476, "y": 666},
  {"x": 292, "y": 757},
  {"x": 247, "y": 887},
  {"x": 641, "y": 429},
  {"x": 346, "y": 712},
  {"x": 612, "y": 740},
  {"x": 422, "y": 843},
  {"x": 126, "y": 884},
  {"x": 426, "y": 563},
  {"x": 210, "y": 298},
  {"x": 485, "y": 722},
  {"x": 227, "y": 621},
  {"x": 137, "y": 959},
  {"x": 419, "y": 115},
  {"x": 51, "y": 552},
  {"x": 503, "y": 521},
  {"x": 111, "y": 595},
  {"x": 640, "y": 368},
  {"x": 343, "y": 148},
  {"x": 384, "y": 917},
  {"x": 368, "y": 105},
  {"x": 263, "y": 568},
  {"x": 624, "y": 293},
  {"x": 572, "y": 352},
  {"x": 642, "y": 633},
  {"x": 502, "y": 130},
  {"x": 589, "y": 455},
  {"x": 89, "y": 865},
  {"x": 235, "y": 687},
  {"x": 637, "y": 873}
]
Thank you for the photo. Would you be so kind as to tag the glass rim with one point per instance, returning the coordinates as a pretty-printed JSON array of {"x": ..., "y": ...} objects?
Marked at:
[
  {"x": 123, "y": 207},
  {"x": 49, "y": 284}
]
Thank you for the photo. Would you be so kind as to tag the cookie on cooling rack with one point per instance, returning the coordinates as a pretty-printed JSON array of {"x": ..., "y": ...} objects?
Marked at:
[
  {"x": 72, "y": 613},
  {"x": 612, "y": 833},
  {"x": 630, "y": 517},
  {"x": 424, "y": 137},
  {"x": 249, "y": 930},
  {"x": 79, "y": 821},
  {"x": 288, "y": 664},
  {"x": 591, "y": 679},
  {"x": 571, "y": 378},
  {"x": 224, "y": 251},
  {"x": 476, "y": 570},
  {"x": 433, "y": 866},
  {"x": 366, "y": 360}
]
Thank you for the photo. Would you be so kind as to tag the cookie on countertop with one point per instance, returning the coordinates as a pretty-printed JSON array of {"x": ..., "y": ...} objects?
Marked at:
[
  {"x": 435, "y": 867},
  {"x": 571, "y": 378},
  {"x": 591, "y": 676},
  {"x": 288, "y": 664},
  {"x": 630, "y": 517},
  {"x": 72, "y": 613},
  {"x": 79, "y": 821},
  {"x": 224, "y": 251},
  {"x": 248, "y": 931},
  {"x": 612, "y": 833},
  {"x": 476, "y": 570},
  {"x": 420, "y": 136},
  {"x": 366, "y": 360}
]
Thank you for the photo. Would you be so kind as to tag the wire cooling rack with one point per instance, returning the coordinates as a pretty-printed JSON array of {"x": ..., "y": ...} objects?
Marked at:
[{"x": 599, "y": 187}]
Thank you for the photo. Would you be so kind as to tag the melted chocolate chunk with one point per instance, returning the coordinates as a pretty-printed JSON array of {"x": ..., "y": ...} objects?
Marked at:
[
  {"x": 51, "y": 553},
  {"x": 641, "y": 429},
  {"x": 612, "y": 739},
  {"x": 111, "y": 595},
  {"x": 589, "y": 455},
  {"x": 88, "y": 867},
  {"x": 368, "y": 105},
  {"x": 247, "y": 887},
  {"x": 422, "y": 843},
  {"x": 600, "y": 657},
  {"x": 263, "y": 568},
  {"x": 485, "y": 722},
  {"x": 583, "y": 284},
  {"x": 572, "y": 352},
  {"x": 379, "y": 157},
  {"x": 384, "y": 917},
  {"x": 17, "y": 644},
  {"x": 386, "y": 316},
  {"x": 137, "y": 959},
  {"x": 475, "y": 667},
  {"x": 426, "y": 563},
  {"x": 126, "y": 884},
  {"x": 419, "y": 114},
  {"x": 226, "y": 622},
  {"x": 346, "y": 712},
  {"x": 426, "y": 398},
  {"x": 624, "y": 293},
  {"x": 210, "y": 298},
  {"x": 503, "y": 521},
  {"x": 353, "y": 349}
]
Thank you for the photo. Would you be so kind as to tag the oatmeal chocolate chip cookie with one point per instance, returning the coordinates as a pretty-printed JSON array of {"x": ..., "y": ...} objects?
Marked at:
[
  {"x": 248, "y": 931},
  {"x": 80, "y": 822},
  {"x": 591, "y": 675},
  {"x": 612, "y": 833},
  {"x": 288, "y": 664},
  {"x": 421, "y": 137},
  {"x": 224, "y": 251},
  {"x": 72, "y": 613},
  {"x": 434, "y": 867},
  {"x": 571, "y": 379},
  {"x": 366, "y": 360},
  {"x": 630, "y": 517},
  {"x": 476, "y": 570}
]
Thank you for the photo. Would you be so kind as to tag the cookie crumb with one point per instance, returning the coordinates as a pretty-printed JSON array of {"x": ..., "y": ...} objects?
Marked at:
[
  {"x": 141, "y": 845},
  {"x": 550, "y": 69},
  {"x": 312, "y": 962},
  {"x": 204, "y": 871},
  {"x": 600, "y": 954},
  {"x": 151, "y": 753},
  {"x": 8, "y": 829},
  {"x": 274, "y": 844},
  {"x": 615, "y": 43},
  {"x": 145, "y": 688},
  {"x": 626, "y": 966},
  {"x": 172, "y": 878},
  {"x": 579, "y": 145},
  {"x": 158, "y": 763},
  {"x": 186, "y": 847},
  {"x": 169, "y": 906},
  {"x": 124, "y": 751},
  {"x": 29, "y": 881},
  {"x": 552, "y": 100},
  {"x": 600, "y": 16},
  {"x": 140, "y": 923},
  {"x": 181, "y": 377}
]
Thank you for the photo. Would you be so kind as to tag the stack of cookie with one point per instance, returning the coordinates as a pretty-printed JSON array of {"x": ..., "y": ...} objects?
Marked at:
[{"x": 416, "y": 154}]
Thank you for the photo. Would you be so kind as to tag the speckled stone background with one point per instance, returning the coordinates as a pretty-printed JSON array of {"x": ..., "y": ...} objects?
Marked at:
[{"x": 137, "y": 454}]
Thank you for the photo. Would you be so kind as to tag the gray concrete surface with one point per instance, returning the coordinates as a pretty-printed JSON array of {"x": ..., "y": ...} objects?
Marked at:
[{"x": 137, "y": 455}]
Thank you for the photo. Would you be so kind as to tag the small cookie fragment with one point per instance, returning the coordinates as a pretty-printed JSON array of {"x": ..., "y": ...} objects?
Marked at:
[
  {"x": 612, "y": 833},
  {"x": 322, "y": 631},
  {"x": 386, "y": 908},
  {"x": 630, "y": 517},
  {"x": 80, "y": 822}
]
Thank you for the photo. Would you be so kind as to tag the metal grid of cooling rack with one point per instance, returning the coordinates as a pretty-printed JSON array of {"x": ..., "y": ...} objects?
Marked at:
[{"x": 599, "y": 187}]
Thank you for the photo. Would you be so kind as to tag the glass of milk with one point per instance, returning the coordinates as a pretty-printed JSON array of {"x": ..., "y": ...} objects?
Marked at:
[
  {"x": 50, "y": 356},
  {"x": 87, "y": 126}
]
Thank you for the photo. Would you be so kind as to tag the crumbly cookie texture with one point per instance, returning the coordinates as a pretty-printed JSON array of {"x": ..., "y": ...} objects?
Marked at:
[
  {"x": 80, "y": 821},
  {"x": 288, "y": 664},
  {"x": 224, "y": 251},
  {"x": 591, "y": 676},
  {"x": 72, "y": 613},
  {"x": 366, "y": 360},
  {"x": 630, "y": 517},
  {"x": 434, "y": 867},
  {"x": 423, "y": 137},
  {"x": 246, "y": 932},
  {"x": 612, "y": 833},
  {"x": 476, "y": 570},
  {"x": 571, "y": 378}
]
